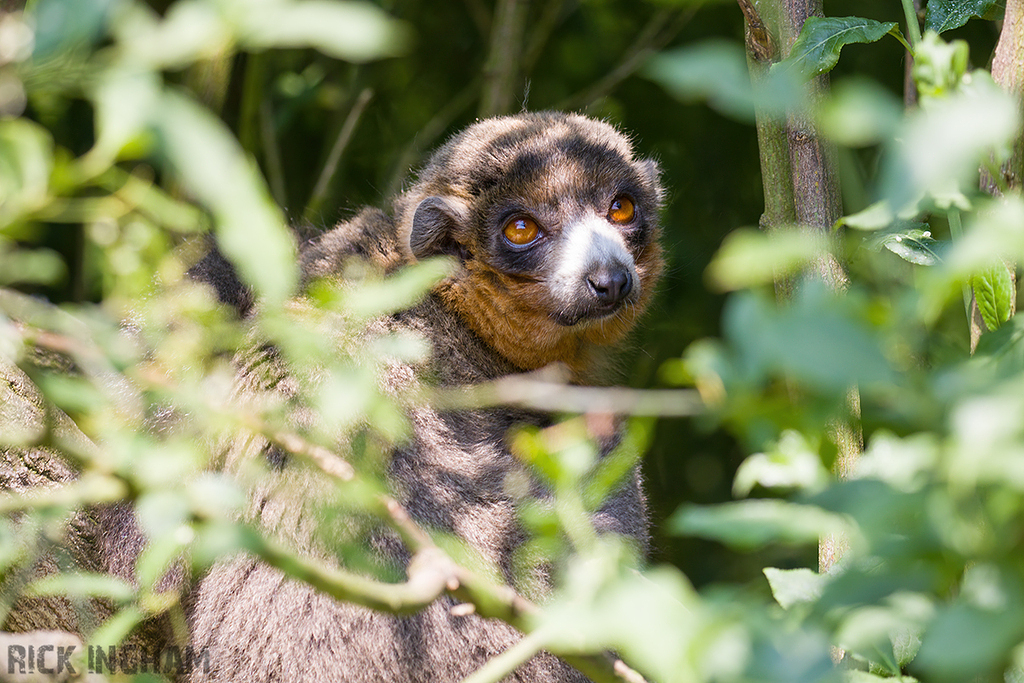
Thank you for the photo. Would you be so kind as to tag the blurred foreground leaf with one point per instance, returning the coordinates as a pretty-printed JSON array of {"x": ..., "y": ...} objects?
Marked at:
[{"x": 755, "y": 523}]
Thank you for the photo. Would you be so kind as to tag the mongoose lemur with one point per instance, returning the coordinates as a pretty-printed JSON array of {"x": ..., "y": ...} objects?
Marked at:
[{"x": 552, "y": 222}]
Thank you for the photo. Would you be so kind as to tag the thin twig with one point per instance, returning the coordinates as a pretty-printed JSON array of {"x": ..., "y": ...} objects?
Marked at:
[
  {"x": 429, "y": 132},
  {"x": 480, "y": 15},
  {"x": 541, "y": 31},
  {"x": 334, "y": 157},
  {"x": 656, "y": 34},
  {"x": 502, "y": 67},
  {"x": 538, "y": 392},
  {"x": 272, "y": 153}
]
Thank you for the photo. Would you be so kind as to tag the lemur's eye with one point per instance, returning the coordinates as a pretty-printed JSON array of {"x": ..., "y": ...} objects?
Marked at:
[
  {"x": 622, "y": 210},
  {"x": 521, "y": 231}
]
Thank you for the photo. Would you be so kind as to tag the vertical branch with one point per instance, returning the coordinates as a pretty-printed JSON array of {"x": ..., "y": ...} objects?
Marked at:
[
  {"x": 502, "y": 68},
  {"x": 1008, "y": 72},
  {"x": 815, "y": 182},
  {"x": 319, "y": 194},
  {"x": 800, "y": 186},
  {"x": 909, "y": 87},
  {"x": 776, "y": 176}
]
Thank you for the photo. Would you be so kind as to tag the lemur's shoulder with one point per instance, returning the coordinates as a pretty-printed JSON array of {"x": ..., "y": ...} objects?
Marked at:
[{"x": 371, "y": 235}]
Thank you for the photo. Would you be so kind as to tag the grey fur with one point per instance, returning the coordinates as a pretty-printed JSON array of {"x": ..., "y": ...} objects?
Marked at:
[{"x": 454, "y": 474}]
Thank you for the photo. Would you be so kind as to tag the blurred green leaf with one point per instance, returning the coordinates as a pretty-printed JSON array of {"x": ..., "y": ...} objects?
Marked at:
[
  {"x": 717, "y": 71},
  {"x": 250, "y": 228},
  {"x": 83, "y": 584},
  {"x": 30, "y": 267},
  {"x": 791, "y": 463},
  {"x": 946, "y": 15},
  {"x": 803, "y": 340},
  {"x": 190, "y": 31},
  {"x": 942, "y": 146},
  {"x": 749, "y": 258},
  {"x": 965, "y": 640},
  {"x": 26, "y": 161},
  {"x": 353, "y": 31},
  {"x": 125, "y": 101},
  {"x": 68, "y": 24},
  {"x": 755, "y": 523},
  {"x": 994, "y": 293},
  {"x": 117, "y": 627},
  {"x": 793, "y": 586},
  {"x": 817, "y": 48},
  {"x": 859, "y": 112}
]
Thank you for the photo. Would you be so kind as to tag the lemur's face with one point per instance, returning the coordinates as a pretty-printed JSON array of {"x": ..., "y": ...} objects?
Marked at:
[{"x": 555, "y": 226}]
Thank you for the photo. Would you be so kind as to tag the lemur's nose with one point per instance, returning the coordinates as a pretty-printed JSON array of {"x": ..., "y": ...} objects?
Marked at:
[{"x": 610, "y": 285}]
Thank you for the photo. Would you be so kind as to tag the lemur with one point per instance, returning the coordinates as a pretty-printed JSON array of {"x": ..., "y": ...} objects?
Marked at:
[{"x": 552, "y": 222}]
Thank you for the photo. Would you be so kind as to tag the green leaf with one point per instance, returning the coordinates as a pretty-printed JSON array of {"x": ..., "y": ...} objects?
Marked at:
[
  {"x": 793, "y": 586},
  {"x": 817, "y": 48},
  {"x": 250, "y": 228},
  {"x": 65, "y": 24},
  {"x": 755, "y": 523},
  {"x": 790, "y": 463},
  {"x": 84, "y": 584},
  {"x": 716, "y": 71},
  {"x": 352, "y": 31},
  {"x": 748, "y": 258},
  {"x": 993, "y": 290},
  {"x": 865, "y": 677},
  {"x": 911, "y": 244},
  {"x": 946, "y": 15},
  {"x": 26, "y": 161}
]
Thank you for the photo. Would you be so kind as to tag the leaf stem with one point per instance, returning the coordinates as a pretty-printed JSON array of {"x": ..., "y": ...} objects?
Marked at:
[
  {"x": 956, "y": 231},
  {"x": 913, "y": 25}
]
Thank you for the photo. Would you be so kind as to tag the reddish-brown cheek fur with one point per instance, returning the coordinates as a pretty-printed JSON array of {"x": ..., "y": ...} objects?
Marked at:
[{"x": 514, "y": 317}]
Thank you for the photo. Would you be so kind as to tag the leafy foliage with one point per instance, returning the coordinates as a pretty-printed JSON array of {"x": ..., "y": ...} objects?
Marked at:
[{"x": 932, "y": 512}]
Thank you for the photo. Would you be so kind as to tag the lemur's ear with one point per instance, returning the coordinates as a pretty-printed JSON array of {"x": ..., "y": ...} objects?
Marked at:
[
  {"x": 435, "y": 226},
  {"x": 652, "y": 173}
]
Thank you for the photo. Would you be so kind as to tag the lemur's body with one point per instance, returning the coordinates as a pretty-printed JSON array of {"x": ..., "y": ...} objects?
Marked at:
[{"x": 554, "y": 226}]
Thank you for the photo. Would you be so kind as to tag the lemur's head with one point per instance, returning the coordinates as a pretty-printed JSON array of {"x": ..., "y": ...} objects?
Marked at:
[{"x": 555, "y": 225}]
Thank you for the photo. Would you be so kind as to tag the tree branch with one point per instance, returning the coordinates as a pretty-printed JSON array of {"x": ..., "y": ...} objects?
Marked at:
[
  {"x": 655, "y": 35},
  {"x": 502, "y": 67},
  {"x": 316, "y": 199}
]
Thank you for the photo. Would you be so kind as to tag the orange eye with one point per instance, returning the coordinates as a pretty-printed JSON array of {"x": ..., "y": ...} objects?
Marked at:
[
  {"x": 622, "y": 210},
  {"x": 521, "y": 231}
]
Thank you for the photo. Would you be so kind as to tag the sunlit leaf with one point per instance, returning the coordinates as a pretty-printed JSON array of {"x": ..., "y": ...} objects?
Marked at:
[
  {"x": 791, "y": 463},
  {"x": 994, "y": 293},
  {"x": 793, "y": 586},
  {"x": 83, "y": 584},
  {"x": 942, "y": 146},
  {"x": 755, "y": 523},
  {"x": 716, "y": 71},
  {"x": 191, "y": 30},
  {"x": 748, "y": 258},
  {"x": 354, "y": 31},
  {"x": 250, "y": 229},
  {"x": 946, "y": 15},
  {"x": 125, "y": 103},
  {"x": 817, "y": 48},
  {"x": 64, "y": 24},
  {"x": 26, "y": 161}
]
